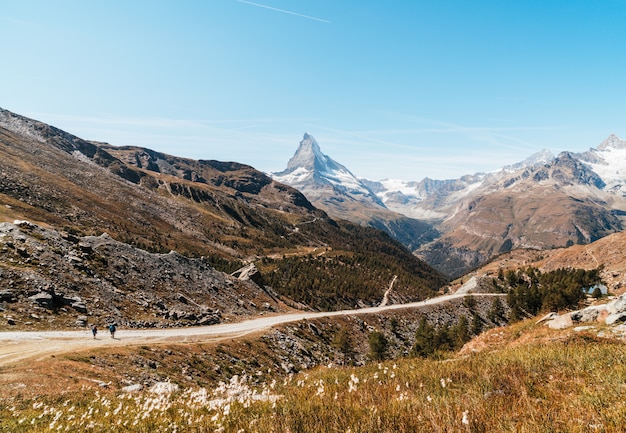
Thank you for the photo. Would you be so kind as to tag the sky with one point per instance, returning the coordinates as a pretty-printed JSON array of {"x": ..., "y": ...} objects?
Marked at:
[{"x": 390, "y": 89}]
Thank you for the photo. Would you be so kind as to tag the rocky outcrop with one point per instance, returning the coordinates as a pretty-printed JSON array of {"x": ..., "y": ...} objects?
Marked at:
[
  {"x": 70, "y": 281},
  {"x": 611, "y": 313},
  {"x": 249, "y": 273}
]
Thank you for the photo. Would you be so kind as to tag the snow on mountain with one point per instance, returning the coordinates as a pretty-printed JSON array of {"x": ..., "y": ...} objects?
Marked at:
[
  {"x": 608, "y": 160},
  {"x": 309, "y": 169},
  {"x": 542, "y": 157}
]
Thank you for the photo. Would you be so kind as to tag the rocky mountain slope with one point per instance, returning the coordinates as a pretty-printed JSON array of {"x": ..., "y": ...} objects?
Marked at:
[
  {"x": 543, "y": 202},
  {"x": 332, "y": 187},
  {"x": 555, "y": 205},
  {"x": 217, "y": 216}
]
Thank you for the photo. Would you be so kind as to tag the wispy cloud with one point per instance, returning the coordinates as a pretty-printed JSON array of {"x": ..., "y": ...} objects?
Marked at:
[{"x": 284, "y": 11}]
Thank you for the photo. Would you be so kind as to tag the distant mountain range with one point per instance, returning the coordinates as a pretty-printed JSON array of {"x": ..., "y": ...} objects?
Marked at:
[{"x": 543, "y": 202}]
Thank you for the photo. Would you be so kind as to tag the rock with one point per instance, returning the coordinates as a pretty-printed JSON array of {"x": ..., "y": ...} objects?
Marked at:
[
  {"x": 561, "y": 322},
  {"x": 589, "y": 314},
  {"x": 23, "y": 223},
  {"x": 288, "y": 367},
  {"x": 314, "y": 329},
  {"x": 617, "y": 306},
  {"x": 208, "y": 320},
  {"x": 44, "y": 299},
  {"x": 7, "y": 296},
  {"x": 81, "y": 321},
  {"x": 10, "y": 321},
  {"x": 79, "y": 306},
  {"x": 84, "y": 247},
  {"x": 132, "y": 388},
  {"x": 549, "y": 316},
  {"x": 616, "y": 318},
  {"x": 249, "y": 273}
]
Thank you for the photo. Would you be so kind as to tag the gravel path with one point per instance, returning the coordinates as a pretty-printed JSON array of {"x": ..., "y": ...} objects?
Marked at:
[{"x": 23, "y": 345}]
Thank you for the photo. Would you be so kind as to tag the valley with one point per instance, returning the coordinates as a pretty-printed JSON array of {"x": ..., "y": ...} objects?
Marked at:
[{"x": 241, "y": 299}]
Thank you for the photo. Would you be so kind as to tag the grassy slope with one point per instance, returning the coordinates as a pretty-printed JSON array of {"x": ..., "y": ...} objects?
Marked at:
[{"x": 575, "y": 384}]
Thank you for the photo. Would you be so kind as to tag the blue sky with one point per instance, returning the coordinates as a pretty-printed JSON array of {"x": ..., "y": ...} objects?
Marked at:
[{"x": 401, "y": 89}]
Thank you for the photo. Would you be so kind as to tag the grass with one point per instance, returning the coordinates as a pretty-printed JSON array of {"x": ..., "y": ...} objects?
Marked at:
[{"x": 572, "y": 384}]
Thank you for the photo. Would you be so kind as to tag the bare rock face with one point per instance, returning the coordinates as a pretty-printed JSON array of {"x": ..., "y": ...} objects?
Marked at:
[{"x": 249, "y": 273}]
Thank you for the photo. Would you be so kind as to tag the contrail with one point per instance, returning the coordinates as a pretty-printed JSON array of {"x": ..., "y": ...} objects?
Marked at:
[{"x": 283, "y": 11}]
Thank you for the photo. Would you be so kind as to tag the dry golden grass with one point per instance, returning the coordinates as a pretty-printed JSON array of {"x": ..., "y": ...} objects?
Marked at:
[{"x": 576, "y": 383}]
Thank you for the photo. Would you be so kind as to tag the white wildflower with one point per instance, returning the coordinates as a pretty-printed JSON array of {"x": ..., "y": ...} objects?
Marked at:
[
  {"x": 320, "y": 388},
  {"x": 352, "y": 385},
  {"x": 465, "y": 420}
]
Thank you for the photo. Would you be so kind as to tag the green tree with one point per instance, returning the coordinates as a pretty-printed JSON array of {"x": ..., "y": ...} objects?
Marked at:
[
  {"x": 378, "y": 345},
  {"x": 496, "y": 312},
  {"x": 343, "y": 343},
  {"x": 461, "y": 332},
  {"x": 597, "y": 292},
  {"x": 424, "y": 339},
  {"x": 469, "y": 302},
  {"x": 477, "y": 324}
]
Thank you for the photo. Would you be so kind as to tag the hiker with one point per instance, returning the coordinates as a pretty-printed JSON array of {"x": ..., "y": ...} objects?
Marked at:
[
  {"x": 94, "y": 331},
  {"x": 112, "y": 330}
]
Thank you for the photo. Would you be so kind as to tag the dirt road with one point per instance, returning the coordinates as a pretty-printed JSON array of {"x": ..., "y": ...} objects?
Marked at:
[{"x": 20, "y": 346}]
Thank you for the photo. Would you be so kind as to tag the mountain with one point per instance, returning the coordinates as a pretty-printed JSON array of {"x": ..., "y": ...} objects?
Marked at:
[
  {"x": 90, "y": 224},
  {"x": 543, "y": 202},
  {"x": 433, "y": 200},
  {"x": 332, "y": 187},
  {"x": 608, "y": 160},
  {"x": 324, "y": 180}
]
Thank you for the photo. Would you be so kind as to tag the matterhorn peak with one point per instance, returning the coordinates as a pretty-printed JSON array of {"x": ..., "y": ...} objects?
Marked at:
[
  {"x": 309, "y": 156},
  {"x": 309, "y": 170}
]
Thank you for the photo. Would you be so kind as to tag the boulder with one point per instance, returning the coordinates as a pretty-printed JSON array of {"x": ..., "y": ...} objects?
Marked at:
[
  {"x": 589, "y": 314},
  {"x": 249, "y": 273},
  {"x": 7, "y": 296},
  {"x": 79, "y": 306},
  {"x": 547, "y": 317},
  {"x": 561, "y": 322},
  {"x": 616, "y": 318},
  {"x": 132, "y": 388},
  {"x": 617, "y": 306},
  {"x": 44, "y": 299}
]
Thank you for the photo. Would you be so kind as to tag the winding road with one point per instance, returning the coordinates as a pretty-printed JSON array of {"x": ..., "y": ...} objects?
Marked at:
[{"x": 24, "y": 345}]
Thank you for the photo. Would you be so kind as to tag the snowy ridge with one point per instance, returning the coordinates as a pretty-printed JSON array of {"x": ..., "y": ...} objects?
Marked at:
[
  {"x": 608, "y": 160},
  {"x": 542, "y": 157}
]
